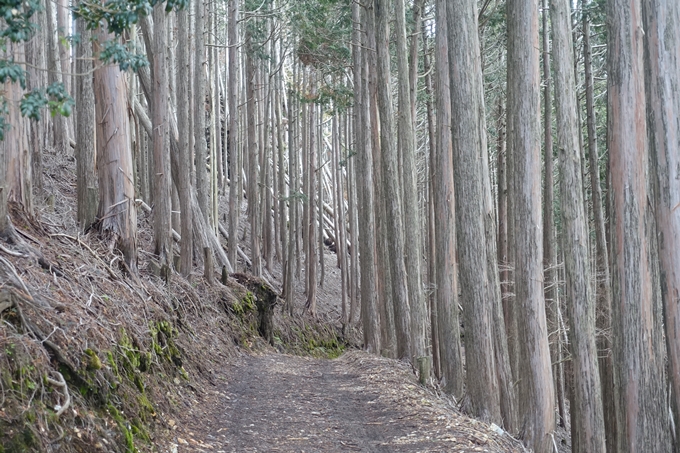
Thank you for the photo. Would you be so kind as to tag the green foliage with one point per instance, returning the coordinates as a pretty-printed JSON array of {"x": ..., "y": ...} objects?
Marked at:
[
  {"x": 54, "y": 97},
  {"x": 257, "y": 35},
  {"x": 324, "y": 28},
  {"x": 115, "y": 52},
  {"x": 10, "y": 71},
  {"x": 17, "y": 16},
  {"x": 120, "y": 15},
  {"x": 324, "y": 34}
]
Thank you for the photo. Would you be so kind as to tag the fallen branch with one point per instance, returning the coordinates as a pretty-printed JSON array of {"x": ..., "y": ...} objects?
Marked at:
[
  {"x": 12, "y": 252},
  {"x": 61, "y": 383},
  {"x": 146, "y": 208},
  {"x": 77, "y": 240},
  {"x": 240, "y": 252}
]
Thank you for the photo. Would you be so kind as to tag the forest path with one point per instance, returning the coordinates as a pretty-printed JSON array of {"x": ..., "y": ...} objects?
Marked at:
[{"x": 358, "y": 402}]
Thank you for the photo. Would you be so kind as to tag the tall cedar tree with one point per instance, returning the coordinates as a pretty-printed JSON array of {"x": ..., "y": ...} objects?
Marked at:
[
  {"x": 639, "y": 377},
  {"x": 536, "y": 391}
]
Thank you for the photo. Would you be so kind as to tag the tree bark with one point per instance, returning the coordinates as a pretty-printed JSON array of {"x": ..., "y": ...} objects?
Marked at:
[
  {"x": 444, "y": 220},
  {"x": 60, "y": 129},
  {"x": 86, "y": 176},
  {"x": 388, "y": 336},
  {"x": 412, "y": 222},
  {"x": 37, "y": 79},
  {"x": 117, "y": 213},
  {"x": 232, "y": 131},
  {"x": 662, "y": 26},
  {"x": 161, "y": 156},
  {"x": 603, "y": 288},
  {"x": 431, "y": 229},
  {"x": 293, "y": 194},
  {"x": 199, "y": 94},
  {"x": 467, "y": 107},
  {"x": 536, "y": 391},
  {"x": 392, "y": 192},
  {"x": 587, "y": 424},
  {"x": 549, "y": 254},
  {"x": 184, "y": 134},
  {"x": 310, "y": 232},
  {"x": 253, "y": 153},
  {"x": 642, "y": 414},
  {"x": 17, "y": 174},
  {"x": 369, "y": 304}
]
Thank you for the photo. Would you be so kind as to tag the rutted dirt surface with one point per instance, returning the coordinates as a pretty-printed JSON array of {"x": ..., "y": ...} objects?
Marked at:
[{"x": 359, "y": 402}]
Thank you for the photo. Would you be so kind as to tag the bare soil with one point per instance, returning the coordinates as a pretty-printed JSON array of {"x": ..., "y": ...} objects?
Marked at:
[{"x": 358, "y": 402}]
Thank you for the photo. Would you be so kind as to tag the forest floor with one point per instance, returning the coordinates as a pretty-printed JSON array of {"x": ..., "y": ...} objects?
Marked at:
[
  {"x": 179, "y": 367},
  {"x": 357, "y": 402}
]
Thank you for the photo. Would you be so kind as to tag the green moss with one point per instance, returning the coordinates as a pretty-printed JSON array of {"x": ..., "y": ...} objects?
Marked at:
[
  {"x": 125, "y": 428},
  {"x": 130, "y": 352},
  {"x": 92, "y": 360},
  {"x": 146, "y": 408},
  {"x": 139, "y": 382},
  {"x": 15, "y": 439},
  {"x": 112, "y": 363},
  {"x": 314, "y": 340},
  {"x": 163, "y": 336},
  {"x": 245, "y": 305}
]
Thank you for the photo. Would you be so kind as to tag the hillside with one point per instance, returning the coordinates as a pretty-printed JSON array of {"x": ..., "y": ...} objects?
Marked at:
[{"x": 95, "y": 359}]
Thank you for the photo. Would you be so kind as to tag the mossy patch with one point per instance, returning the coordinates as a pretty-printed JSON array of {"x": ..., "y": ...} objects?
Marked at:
[
  {"x": 92, "y": 360},
  {"x": 245, "y": 305},
  {"x": 310, "y": 338},
  {"x": 163, "y": 336},
  {"x": 17, "y": 438}
]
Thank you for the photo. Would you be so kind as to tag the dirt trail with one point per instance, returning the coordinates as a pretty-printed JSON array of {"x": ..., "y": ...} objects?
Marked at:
[{"x": 363, "y": 403}]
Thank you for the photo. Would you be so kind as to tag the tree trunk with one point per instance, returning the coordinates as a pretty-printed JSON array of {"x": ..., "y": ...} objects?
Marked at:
[
  {"x": 639, "y": 378},
  {"x": 506, "y": 382},
  {"x": 391, "y": 188},
  {"x": 203, "y": 235},
  {"x": 18, "y": 177},
  {"x": 184, "y": 133},
  {"x": 117, "y": 213},
  {"x": 253, "y": 152},
  {"x": 60, "y": 130},
  {"x": 413, "y": 63},
  {"x": 319, "y": 196},
  {"x": 388, "y": 338},
  {"x": 86, "y": 177},
  {"x": 199, "y": 95},
  {"x": 412, "y": 223},
  {"x": 161, "y": 157},
  {"x": 603, "y": 288},
  {"x": 467, "y": 108},
  {"x": 587, "y": 424},
  {"x": 232, "y": 131},
  {"x": 662, "y": 25},
  {"x": 362, "y": 129},
  {"x": 549, "y": 256},
  {"x": 444, "y": 220},
  {"x": 283, "y": 195},
  {"x": 37, "y": 79},
  {"x": 353, "y": 223},
  {"x": 293, "y": 195},
  {"x": 432, "y": 235},
  {"x": 339, "y": 218},
  {"x": 310, "y": 232},
  {"x": 536, "y": 391}
]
